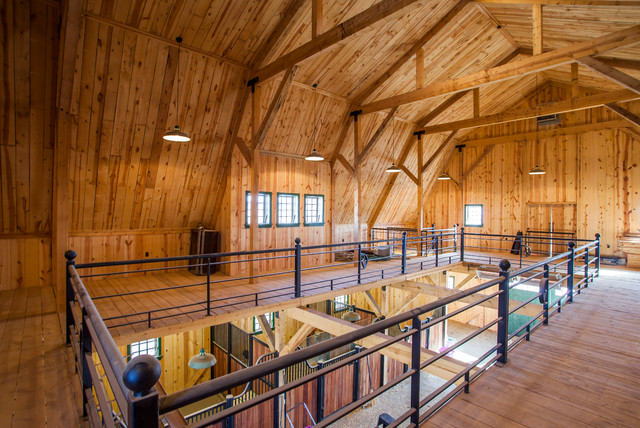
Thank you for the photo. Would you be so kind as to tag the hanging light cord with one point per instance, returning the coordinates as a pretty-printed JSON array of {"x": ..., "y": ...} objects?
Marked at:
[{"x": 179, "y": 40}]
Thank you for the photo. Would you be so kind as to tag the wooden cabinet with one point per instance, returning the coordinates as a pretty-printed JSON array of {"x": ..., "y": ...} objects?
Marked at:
[{"x": 203, "y": 241}]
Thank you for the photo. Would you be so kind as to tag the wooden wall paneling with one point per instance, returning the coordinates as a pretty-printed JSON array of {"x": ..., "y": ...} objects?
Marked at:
[{"x": 26, "y": 262}]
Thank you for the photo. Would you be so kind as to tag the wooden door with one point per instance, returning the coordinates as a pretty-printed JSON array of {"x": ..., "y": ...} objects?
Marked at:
[{"x": 553, "y": 223}]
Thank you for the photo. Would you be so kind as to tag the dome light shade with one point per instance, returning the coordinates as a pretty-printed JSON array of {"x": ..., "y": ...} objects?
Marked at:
[
  {"x": 537, "y": 171},
  {"x": 393, "y": 168},
  {"x": 176, "y": 135},
  {"x": 203, "y": 360},
  {"x": 314, "y": 156},
  {"x": 351, "y": 316},
  {"x": 444, "y": 176}
]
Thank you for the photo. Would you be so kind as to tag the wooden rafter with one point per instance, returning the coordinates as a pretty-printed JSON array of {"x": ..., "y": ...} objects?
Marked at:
[
  {"x": 274, "y": 107},
  {"x": 438, "y": 151},
  {"x": 331, "y": 37},
  {"x": 386, "y": 190},
  {"x": 344, "y": 129},
  {"x": 405, "y": 304},
  {"x": 376, "y": 136},
  {"x": 611, "y": 73},
  {"x": 453, "y": 12},
  {"x": 268, "y": 332},
  {"x": 498, "y": 25},
  {"x": 287, "y": 17},
  {"x": 373, "y": 303},
  {"x": 552, "y": 133},
  {"x": 537, "y": 28},
  {"x": 465, "y": 281},
  {"x": 316, "y": 18},
  {"x": 478, "y": 161},
  {"x": 511, "y": 70},
  {"x": 582, "y": 103},
  {"x": 624, "y": 113},
  {"x": 409, "y": 173},
  {"x": 630, "y": 64},
  {"x": 346, "y": 164},
  {"x": 566, "y": 2},
  {"x": 244, "y": 150},
  {"x": 295, "y": 341}
]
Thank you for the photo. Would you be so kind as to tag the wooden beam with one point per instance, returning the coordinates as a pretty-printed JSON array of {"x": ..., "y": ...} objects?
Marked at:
[
  {"x": 498, "y": 25},
  {"x": 268, "y": 332},
  {"x": 376, "y": 136},
  {"x": 423, "y": 121},
  {"x": 244, "y": 150},
  {"x": 405, "y": 305},
  {"x": 630, "y": 64},
  {"x": 566, "y": 2},
  {"x": 274, "y": 107},
  {"x": 611, "y": 73},
  {"x": 439, "y": 150},
  {"x": 477, "y": 162},
  {"x": 552, "y": 133},
  {"x": 465, "y": 281},
  {"x": 582, "y": 103},
  {"x": 575, "y": 84},
  {"x": 453, "y": 12},
  {"x": 286, "y": 19},
  {"x": 631, "y": 133},
  {"x": 441, "y": 292},
  {"x": 386, "y": 190},
  {"x": 356, "y": 179},
  {"x": 409, "y": 173},
  {"x": 344, "y": 130},
  {"x": 254, "y": 184},
  {"x": 400, "y": 351},
  {"x": 537, "y": 28},
  {"x": 419, "y": 68},
  {"x": 346, "y": 164},
  {"x": 511, "y": 70},
  {"x": 420, "y": 190},
  {"x": 295, "y": 341},
  {"x": 476, "y": 102},
  {"x": 624, "y": 113},
  {"x": 316, "y": 18},
  {"x": 372, "y": 302},
  {"x": 70, "y": 35},
  {"x": 372, "y": 15}
]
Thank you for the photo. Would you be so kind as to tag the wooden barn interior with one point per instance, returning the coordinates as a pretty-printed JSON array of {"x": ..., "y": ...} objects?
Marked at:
[{"x": 513, "y": 127}]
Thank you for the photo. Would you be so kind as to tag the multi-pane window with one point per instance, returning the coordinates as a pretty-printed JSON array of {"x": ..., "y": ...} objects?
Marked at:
[
  {"x": 145, "y": 347},
  {"x": 264, "y": 209},
  {"x": 257, "y": 328},
  {"x": 313, "y": 210},
  {"x": 473, "y": 215},
  {"x": 341, "y": 302},
  {"x": 288, "y": 209}
]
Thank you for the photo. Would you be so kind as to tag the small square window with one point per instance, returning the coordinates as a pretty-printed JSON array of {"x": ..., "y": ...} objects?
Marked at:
[
  {"x": 313, "y": 210},
  {"x": 473, "y": 215},
  {"x": 341, "y": 303},
  {"x": 257, "y": 328},
  {"x": 145, "y": 347},
  {"x": 288, "y": 209},
  {"x": 264, "y": 209}
]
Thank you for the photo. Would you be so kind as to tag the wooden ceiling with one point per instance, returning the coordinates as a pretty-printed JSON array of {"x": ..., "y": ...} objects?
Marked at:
[{"x": 125, "y": 81}]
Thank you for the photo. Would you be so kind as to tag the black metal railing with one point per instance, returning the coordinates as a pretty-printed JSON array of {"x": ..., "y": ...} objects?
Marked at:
[{"x": 137, "y": 402}]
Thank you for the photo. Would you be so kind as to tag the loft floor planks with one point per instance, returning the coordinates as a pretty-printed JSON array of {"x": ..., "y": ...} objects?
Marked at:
[{"x": 573, "y": 372}]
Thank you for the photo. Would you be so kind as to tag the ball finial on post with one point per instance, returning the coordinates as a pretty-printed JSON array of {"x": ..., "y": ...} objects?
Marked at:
[
  {"x": 298, "y": 241},
  {"x": 70, "y": 255},
  {"x": 505, "y": 265},
  {"x": 571, "y": 245},
  {"x": 141, "y": 374}
]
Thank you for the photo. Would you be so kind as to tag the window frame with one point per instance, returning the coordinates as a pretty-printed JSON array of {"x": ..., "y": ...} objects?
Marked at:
[
  {"x": 257, "y": 328},
  {"x": 338, "y": 300},
  {"x": 158, "y": 347},
  {"x": 311, "y": 195},
  {"x": 468, "y": 206},
  {"x": 247, "y": 219},
  {"x": 282, "y": 224}
]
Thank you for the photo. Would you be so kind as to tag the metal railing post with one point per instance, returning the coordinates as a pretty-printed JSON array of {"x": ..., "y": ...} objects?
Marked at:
[
  {"x": 437, "y": 246},
  {"x": 404, "y": 252},
  {"x": 85, "y": 355},
  {"x": 570, "y": 268},
  {"x": 70, "y": 255},
  {"x": 230, "y": 421},
  {"x": 358, "y": 261},
  {"x": 320, "y": 394},
  {"x": 597, "y": 255},
  {"x": 503, "y": 311},
  {"x": 140, "y": 375},
  {"x": 208, "y": 286},
  {"x": 586, "y": 268},
  {"x": 545, "y": 296},
  {"x": 298, "y": 268},
  {"x": 356, "y": 377},
  {"x": 462, "y": 244},
  {"x": 415, "y": 365}
]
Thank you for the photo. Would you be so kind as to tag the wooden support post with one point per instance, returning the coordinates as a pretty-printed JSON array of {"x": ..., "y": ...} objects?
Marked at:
[
  {"x": 537, "y": 29},
  {"x": 419, "y": 68},
  {"x": 356, "y": 178},
  {"x": 316, "y": 18},
  {"x": 476, "y": 102},
  {"x": 419, "y": 213},
  {"x": 280, "y": 325},
  {"x": 575, "y": 86},
  {"x": 255, "y": 180}
]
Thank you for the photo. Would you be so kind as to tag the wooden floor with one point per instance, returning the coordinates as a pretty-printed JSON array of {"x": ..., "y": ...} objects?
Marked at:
[
  {"x": 37, "y": 385},
  {"x": 226, "y": 293},
  {"x": 581, "y": 370}
]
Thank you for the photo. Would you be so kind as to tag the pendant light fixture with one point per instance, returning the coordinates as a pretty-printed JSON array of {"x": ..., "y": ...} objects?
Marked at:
[
  {"x": 352, "y": 315},
  {"x": 203, "y": 360},
  {"x": 393, "y": 168},
  {"x": 314, "y": 156},
  {"x": 444, "y": 176},
  {"x": 177, "y": 135},
  {"x": 537, "y": 170}
]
